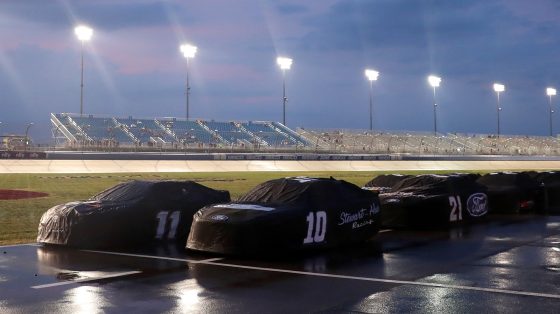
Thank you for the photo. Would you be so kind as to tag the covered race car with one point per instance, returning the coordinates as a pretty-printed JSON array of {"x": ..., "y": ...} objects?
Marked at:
[
  {"x": 512, "y": 192},
  {"x": 433, "y": 201},
  {"x": 385, "y": 182},
  {"x": 549, "y": 182},
  {"x": 131, "y": 213},
  {"x": 288, "y": 214}
]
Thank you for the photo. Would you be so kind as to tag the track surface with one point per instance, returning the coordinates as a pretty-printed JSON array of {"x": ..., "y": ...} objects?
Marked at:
[{"x": 507, "y": 265}]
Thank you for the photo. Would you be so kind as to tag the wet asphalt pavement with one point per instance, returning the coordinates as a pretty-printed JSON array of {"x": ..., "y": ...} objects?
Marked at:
[{"x": 508, "y": 265}]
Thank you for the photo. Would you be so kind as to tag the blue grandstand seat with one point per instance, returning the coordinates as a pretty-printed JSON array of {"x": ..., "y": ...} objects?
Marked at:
[
  {"x": 229, "y": 131},
  {"x": 99, "y": 129},
  {"x": 145, "y": 129}
]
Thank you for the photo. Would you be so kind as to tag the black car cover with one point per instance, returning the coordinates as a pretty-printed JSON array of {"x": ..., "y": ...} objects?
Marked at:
[
  {"x": 127, "y": 214},
  {"x": 385, "y": 182},
  {"x": 512, "y": 192},
  {"x": 287, "y": 214},
  {"x": 549, "y": 181},
  {"x": 433, "y": 201}
]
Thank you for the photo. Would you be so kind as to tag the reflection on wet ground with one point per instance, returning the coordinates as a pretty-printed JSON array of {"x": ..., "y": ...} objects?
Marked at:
[{"x": 510, "y": 265}]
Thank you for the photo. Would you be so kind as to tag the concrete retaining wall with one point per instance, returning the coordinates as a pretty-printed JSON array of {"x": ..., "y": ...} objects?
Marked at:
[{"x": 119, "y": 166}]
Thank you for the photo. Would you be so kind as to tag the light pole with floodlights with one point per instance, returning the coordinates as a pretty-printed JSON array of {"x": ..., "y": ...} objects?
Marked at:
[
  {"x": 285, "y": 64},
  {"x": 371, "y": 75},
  {"x": 434, "y": 81},
  {"x": 499, "y": 88},
  {"x": 550, "y": 92},
  {"x": 189, "y": 51},
  {"x": 83, "y": 33},
  {"x": 26, "y": 133}
]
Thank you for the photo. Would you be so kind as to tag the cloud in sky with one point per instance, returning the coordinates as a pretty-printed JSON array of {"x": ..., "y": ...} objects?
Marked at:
[
  {"x": 133, "y": 65},
  {"x": 289, "y": 9},
  {"x": 108, "y": 15}
]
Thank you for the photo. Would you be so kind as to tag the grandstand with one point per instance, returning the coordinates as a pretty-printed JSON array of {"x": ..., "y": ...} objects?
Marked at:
[
  {"x": 99, "y": 132},
  {"x": 95, "y": 131},
  {"x": 426, "y": 143}
]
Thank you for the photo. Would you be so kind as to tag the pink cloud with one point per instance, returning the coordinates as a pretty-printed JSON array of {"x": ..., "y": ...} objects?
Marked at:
[{"x": 535, "y": 11}]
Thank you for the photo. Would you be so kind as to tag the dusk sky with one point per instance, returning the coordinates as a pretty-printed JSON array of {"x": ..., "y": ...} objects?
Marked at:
[{"x": 133, "y": 65}]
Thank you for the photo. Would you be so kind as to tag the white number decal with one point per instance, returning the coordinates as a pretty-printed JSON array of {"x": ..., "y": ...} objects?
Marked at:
[
  {"x": 310, "y": 219},
  {"x": 316, "y": 227},
  {"x": 162, "y": 224},
  {"x": 456, "y": 208},
  {"x": 162, "y": 221}
]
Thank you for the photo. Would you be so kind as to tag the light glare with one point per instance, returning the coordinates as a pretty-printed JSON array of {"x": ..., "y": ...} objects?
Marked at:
[
  {"x": 434, "y": 80},
  {"x": 189, "y": 51},
  {"x": 284, "y": 63},
  {"x": 371, "y": 75},
  {"x": 498, "y": 88},
  {"x": 83, "y": 32},
  {"x": 551, "y": 91}
]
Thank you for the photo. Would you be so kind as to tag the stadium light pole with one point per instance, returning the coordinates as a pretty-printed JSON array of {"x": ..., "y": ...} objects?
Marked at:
[
  {"x": 434, "y": 81},
  {"x": 550, "y": 92},
  {"x": 189, "y": 51},
  {"x": 84, "y": 34},
  {"x": 26, "y": 133},
  {"x": 499, "y": 88},
  {"x": 371, "y": 75},
  {"x": 285, "y": 64}
]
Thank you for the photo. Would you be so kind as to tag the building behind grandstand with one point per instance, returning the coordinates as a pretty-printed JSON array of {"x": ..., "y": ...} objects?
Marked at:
[{"x": 96, "y": 132}]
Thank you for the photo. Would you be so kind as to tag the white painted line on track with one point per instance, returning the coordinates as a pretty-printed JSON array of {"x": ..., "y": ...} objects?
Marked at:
[
  {"x": 403, "y": 282},
  {"x": 213, "y": 261},
  {"x": 155, "y": 257},
  {"x": 210, "y": 260},
  {"x": 16, "y": 245},
  {"x": 70, "y": 282}
]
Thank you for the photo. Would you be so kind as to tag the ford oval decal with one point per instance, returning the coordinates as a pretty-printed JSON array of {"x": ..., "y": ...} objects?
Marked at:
[
  {"x": 219, "y": 217},
  {"x": 477, "y": 204}
]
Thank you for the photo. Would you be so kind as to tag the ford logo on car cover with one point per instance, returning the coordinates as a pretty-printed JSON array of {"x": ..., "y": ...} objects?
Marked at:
[
  {"x": 477, "y": 204},
  {"x": 219, "y": 217}
]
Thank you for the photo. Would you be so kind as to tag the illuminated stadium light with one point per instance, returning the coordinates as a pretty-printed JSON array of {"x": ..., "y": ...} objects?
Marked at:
[
  {"x": 371, "y": 75},
  {"x": 434, "y": 81},
  {"x": 550, "y": 92},
  {"x": 84, "y": 33},
  {"x": 189, "y": 51},
  {"x": 285, "y": 64},
  {"x": 498, "y": 88}
]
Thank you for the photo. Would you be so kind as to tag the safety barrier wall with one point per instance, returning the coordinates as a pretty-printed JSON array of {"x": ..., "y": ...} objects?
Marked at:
[
  {"x": 73, "y": 155},
  {"x": 123, "y": 166}
]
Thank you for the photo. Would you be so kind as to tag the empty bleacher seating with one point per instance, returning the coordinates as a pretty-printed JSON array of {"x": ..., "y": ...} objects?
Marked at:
[{"x": 89, "y": 130}]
